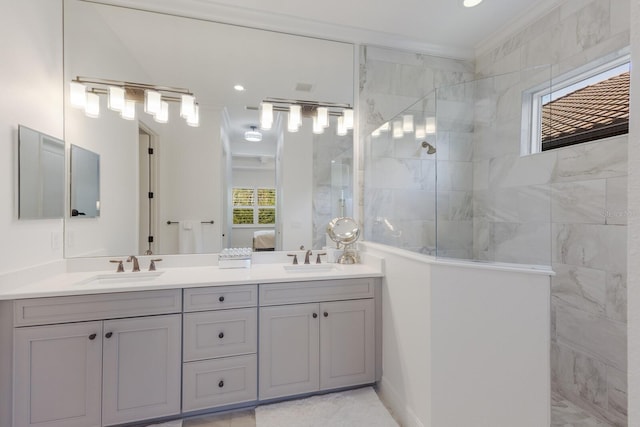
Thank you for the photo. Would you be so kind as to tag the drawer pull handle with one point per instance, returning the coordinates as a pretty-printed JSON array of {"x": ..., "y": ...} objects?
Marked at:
[
  {"x": 92, "y": 337},
  {"x": 221, "y": 299},
  {"x": 326, "y": 314},
  {"x": 109, "y": 334},
  {"x": 315, "y": 315},
  {"x": 221, "y": 384},
  {"x": 221, "y": 335}
]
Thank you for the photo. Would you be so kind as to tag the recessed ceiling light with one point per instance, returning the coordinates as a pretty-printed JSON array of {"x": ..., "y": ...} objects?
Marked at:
[
  {"x": 240, "y": 88},
  {"x": 471, "y": 3}
]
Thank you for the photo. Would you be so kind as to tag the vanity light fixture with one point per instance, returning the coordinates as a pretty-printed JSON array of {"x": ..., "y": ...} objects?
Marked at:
[
  {"x": 471, "y": 3},
  {"x": 397, "y": 129},
  {"x": 341, "y": 129},
  {"x": 123, "y": 96},
  {"x": 253, "y": 135},
  {"x": 420, "y": 132},
  {"x": 407, "y": 123},
  {"x": 320, "y": 112},
  {"x": 430, "y": 126}
]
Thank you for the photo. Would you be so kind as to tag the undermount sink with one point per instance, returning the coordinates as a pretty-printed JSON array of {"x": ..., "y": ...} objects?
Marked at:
[
  {"x": 310, "y": 268},
  {"x": 114, "y": 278}
]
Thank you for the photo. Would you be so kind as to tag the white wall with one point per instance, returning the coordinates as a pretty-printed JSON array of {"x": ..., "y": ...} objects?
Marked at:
[
  {"x": 633, "y": 228},
  {"x": 297, "y": 180},
  {"x": 31, "y": 78}
]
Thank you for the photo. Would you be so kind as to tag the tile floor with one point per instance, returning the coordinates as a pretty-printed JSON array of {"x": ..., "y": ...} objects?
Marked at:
[{"x": 563, "y": 414}]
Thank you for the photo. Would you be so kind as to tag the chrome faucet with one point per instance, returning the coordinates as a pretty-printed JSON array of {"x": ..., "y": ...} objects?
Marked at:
[
  {"x": 306, "y": 256},
  {"x": 136, "y": 266}
]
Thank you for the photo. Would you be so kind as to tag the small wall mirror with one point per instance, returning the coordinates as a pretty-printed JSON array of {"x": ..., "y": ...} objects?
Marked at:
[
  {"x": 85, "y": 183},
  {"x": 40, "y": 176}
]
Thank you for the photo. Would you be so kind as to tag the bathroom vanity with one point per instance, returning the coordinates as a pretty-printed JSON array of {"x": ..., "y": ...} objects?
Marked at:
[{"x": 190, "y": 340}]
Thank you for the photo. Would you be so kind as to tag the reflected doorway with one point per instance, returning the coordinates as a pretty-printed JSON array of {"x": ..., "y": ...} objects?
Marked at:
[{"x": 147, "y": 144}]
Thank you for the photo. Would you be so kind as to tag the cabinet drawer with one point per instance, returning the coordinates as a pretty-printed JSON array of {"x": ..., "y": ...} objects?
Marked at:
[
  {"x": 41, "y": 311},
  {"x": 220, "y": 297},
  {"x": 220, "y": 333},
  {"x": 217, "y": 382},
  {"x": 315, "y": 291}
]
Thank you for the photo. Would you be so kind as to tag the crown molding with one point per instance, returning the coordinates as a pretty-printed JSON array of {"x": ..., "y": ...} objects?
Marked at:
[
  {"x": 272, "y": 21},
  {"x": 526, "y": 18}
]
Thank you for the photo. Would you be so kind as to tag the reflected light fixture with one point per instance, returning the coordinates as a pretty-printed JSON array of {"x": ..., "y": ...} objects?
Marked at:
[
  {"x": 430, "y": 126},
  {"x": 341, "y": 129},
  {"x": 317, "y": 127},
  {"x": 397, "y": 129},
  {"x": 348, "y": 118},
  {"x": 266, "y": 115},
  {"x": 385, "y": 127},
  {"x": 407, "y": 123},
  {"x": 420, "y": 132},
  {"x": 123, "y": 96},
  {"x": 322, "y": 117},
  {"x": 253, "y": 135},
  {"x": 471, "y": 3},
  {"x": 295, "y": 118},
  {"x": 376, "y": 133}
]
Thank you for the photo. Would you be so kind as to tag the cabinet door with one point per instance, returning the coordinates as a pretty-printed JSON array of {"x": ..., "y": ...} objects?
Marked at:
[
  {"x": 57, "y": 373},
  {"x": 141, "y": 368},
  {"x": 347, "y": 348},
  {"x": 289, "y": 339}
]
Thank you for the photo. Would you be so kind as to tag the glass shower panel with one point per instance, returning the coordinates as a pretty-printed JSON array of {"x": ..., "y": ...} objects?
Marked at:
[{"x": 400, "y": 180}]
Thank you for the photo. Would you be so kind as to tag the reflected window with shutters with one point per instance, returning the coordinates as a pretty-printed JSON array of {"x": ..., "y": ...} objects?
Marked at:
[{"x": 254, "y": 206}]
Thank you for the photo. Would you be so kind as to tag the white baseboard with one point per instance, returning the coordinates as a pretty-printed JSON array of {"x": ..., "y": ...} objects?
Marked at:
[{"x": 398, "y": 407}]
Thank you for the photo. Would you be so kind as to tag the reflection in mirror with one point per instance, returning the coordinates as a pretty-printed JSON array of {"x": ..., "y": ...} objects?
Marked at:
[
  {"x": 85, "y": 183},
  {"x": 179, "y": 199},
  {"x": 41, "y": 175}
]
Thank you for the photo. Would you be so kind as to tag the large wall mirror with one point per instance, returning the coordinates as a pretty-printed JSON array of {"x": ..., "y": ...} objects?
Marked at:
[{"x": 169, "y": 188}]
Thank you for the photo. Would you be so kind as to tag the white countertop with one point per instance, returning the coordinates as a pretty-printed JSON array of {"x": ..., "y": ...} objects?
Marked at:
[{"x": 79, "y": 283}]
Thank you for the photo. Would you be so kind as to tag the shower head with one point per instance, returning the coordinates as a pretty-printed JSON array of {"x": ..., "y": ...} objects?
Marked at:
[{"x": 430, "y": 148}]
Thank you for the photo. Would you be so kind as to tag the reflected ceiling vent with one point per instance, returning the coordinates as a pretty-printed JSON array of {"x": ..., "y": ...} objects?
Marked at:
[{"x": 304, "y": 87}]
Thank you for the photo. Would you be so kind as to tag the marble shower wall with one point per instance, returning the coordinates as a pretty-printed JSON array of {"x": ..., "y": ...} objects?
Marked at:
[
  {"x": 583, "y": 186},
  {"x": 398, "y": 199}
]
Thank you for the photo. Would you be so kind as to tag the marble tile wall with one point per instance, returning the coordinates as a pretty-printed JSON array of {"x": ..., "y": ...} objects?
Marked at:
[
  {"x": 399, "y": 203},
  {"x": 584, "y": 189}
]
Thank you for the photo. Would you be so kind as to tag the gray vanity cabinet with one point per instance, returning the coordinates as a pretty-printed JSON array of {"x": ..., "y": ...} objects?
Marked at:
[
  {"x": 319, "y": 345},
  {"x": 86, "y": 372}
]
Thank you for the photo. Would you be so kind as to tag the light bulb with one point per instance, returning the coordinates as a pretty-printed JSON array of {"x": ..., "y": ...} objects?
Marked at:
[
  {"x": 266, "y": 116},
  {"x": 92, "y": 107},
  {"x": 348, "y": 118},
  {"x": 162, "y": 116},
  {"x": 116, "y": 98},
  {"x": 187, "y": 105},
  {"x": 317, "y": 127},
  {"x": 323, "y": 117},
  {"x": 77, "y": 95},
  {"x": 341, "y": 129},
  {"x": 430, "y": 127},
  {"x": 194, "y": 119},
  {"x": 129, "y": 110},
  {"x": 295, "y": 118},
  {"x": 407, "y": 123},
  {"x": 152, "y": 102},
  {"x": 397, "y": 129}
]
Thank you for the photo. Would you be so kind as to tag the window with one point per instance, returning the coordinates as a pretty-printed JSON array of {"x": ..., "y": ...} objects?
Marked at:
[
  {"x": 585, "y": 106},
  {"x": 254, "y": 206}
]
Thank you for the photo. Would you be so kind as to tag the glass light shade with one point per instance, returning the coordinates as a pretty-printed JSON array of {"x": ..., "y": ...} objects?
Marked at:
[
  {"x": 471, "y": 3},
  {"x": 77, "y": 95},
  {"x": 397, "y": 129},
  {"x": 323, "y": 117},
  {"x": 152, "y": 102},
  {"x": 317, "y": 127},
  {"x": 253, "y": 135},
  {"x": 129, "y": 110},
  {"x": 266, "y": 116},
  {"x": 162, "y": 116},
  {"x": 92, "y": 107},
  {"x": 341, "y": 129},
  {"x": 295, "y": 118},
  {"x": 420, "y": 132},
  {"x": 116, "y": 98},
  {"x": 385, "y": 127},
  {"x": 194, "y": 119},
  {"x": 430, "y": 127},
  {"x": 187, "y": 105},
  {"x": 407, "y": 123},
  {"x": 348, "y": 118}
]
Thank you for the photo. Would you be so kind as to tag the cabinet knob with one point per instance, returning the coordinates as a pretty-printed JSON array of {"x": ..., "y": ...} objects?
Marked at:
[
  {"x": 221, "y": 335},
  {"x": 315, "y": 315},
  {"x": 92, "y": 337},
  {"x": 108, "y": 334},
  {"x": 326, "y": 314},
  {"x": 221, "y": 299},
  {"x": 221, "y": 384}
]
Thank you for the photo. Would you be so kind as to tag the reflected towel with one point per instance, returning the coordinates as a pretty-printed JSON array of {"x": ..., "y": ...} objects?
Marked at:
[{"x": 189, "y": 237}]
